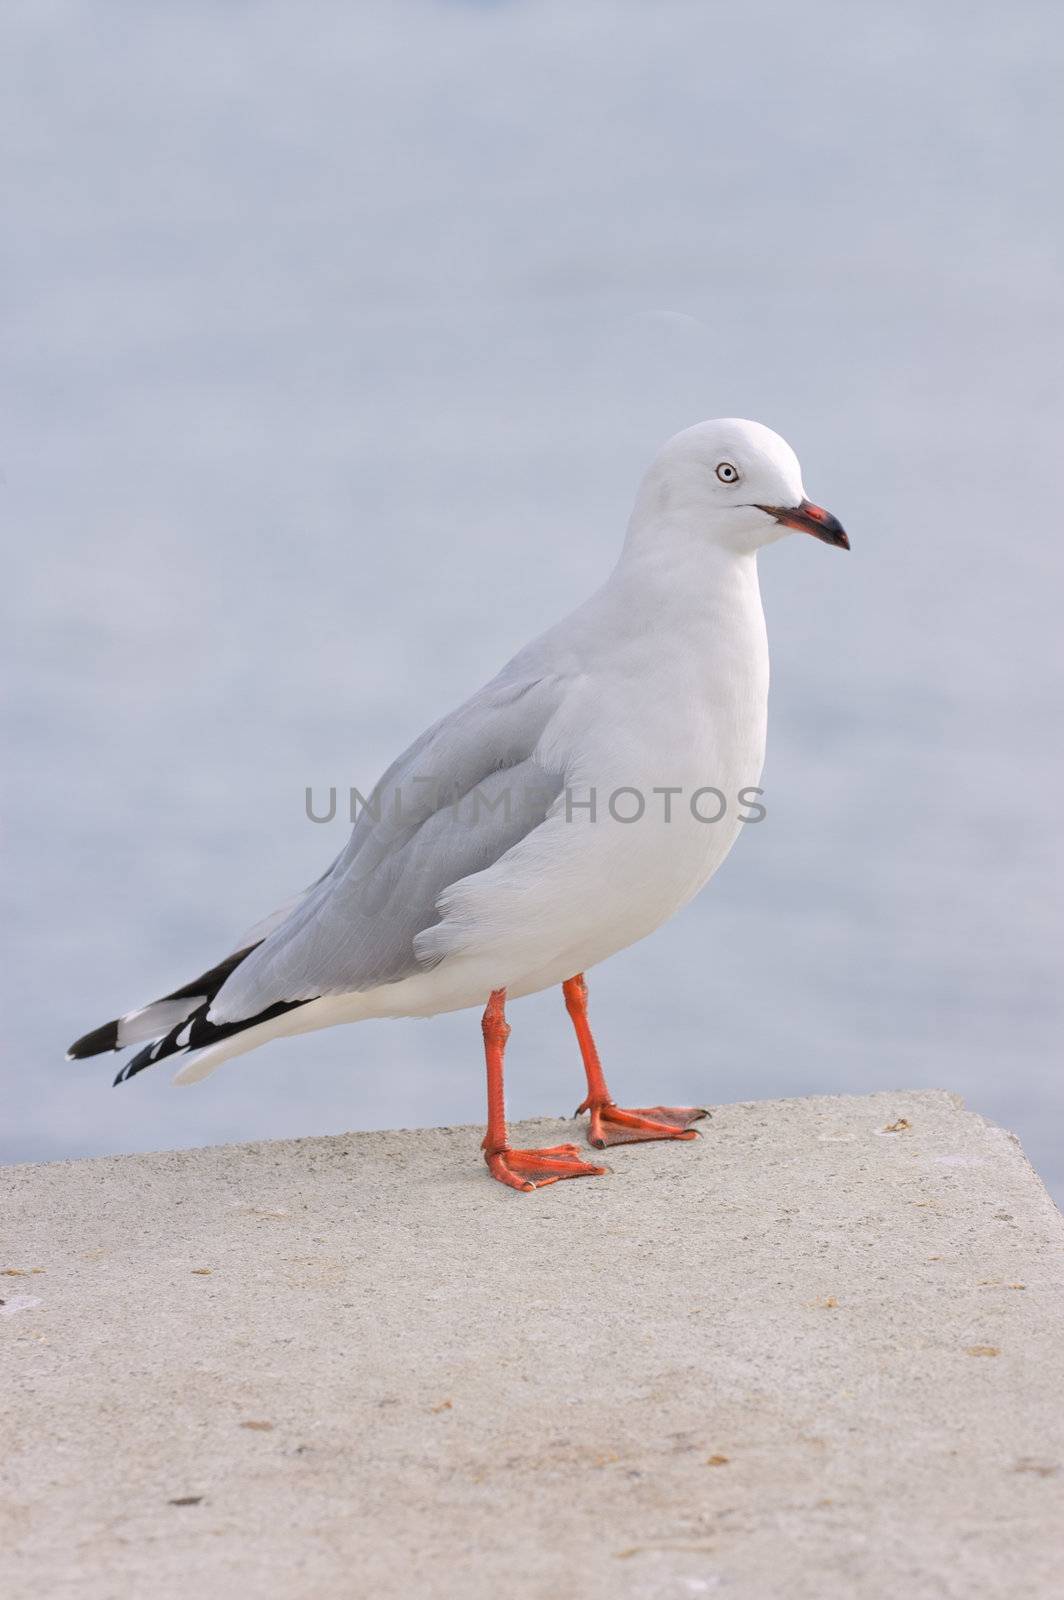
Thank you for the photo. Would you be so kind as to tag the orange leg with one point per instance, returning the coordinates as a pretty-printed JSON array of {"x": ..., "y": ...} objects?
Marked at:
[
  {"x": 610, "y": 1123},
  {"x": 521, "y": 1169}
]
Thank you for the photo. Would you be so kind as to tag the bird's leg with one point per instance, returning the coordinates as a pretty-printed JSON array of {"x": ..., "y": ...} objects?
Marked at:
[
  {"x": 610, "y": 1123},
  {"x": 521, "y": 1169}
]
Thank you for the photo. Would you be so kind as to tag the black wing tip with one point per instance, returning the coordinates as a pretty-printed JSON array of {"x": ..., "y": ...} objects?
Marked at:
[
  {"x": 95, "y": 1043},
  {"x": 146, "y": 1057},
  {"x": 205, "y": 987},
  {"x": 198, "y": 1032}
]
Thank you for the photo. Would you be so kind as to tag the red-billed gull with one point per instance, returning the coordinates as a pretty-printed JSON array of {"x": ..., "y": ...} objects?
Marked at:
[{"x": 566, "y": 810}]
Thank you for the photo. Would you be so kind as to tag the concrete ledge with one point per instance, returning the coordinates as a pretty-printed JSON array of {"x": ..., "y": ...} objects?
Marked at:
[{"x": 817, "y": 1354}]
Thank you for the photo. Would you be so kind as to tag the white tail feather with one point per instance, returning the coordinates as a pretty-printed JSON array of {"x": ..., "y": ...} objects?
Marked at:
[
  {"x": 151, "y": 1022},
  {"x": 198, "y": 1064}
]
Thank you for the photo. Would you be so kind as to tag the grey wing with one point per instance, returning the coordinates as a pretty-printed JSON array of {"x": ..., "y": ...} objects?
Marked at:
[{"x": 461, "y": 796}]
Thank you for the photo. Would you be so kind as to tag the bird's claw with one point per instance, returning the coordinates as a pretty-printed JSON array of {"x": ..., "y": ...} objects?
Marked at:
[
  {"x": 534, "y": 1169},
  {"x": 611, "y": 1124}
]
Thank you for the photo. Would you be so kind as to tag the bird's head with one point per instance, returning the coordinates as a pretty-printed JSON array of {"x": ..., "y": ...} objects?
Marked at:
[{"x": 735, "y": 483}]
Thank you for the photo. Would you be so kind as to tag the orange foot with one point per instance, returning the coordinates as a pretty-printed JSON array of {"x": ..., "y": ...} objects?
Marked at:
[
  {"x": 612, "y": 1124},
  {"x": 534, "y": 1169}
]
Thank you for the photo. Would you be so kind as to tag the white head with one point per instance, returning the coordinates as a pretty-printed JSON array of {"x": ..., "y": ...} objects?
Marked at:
[{"x": 733, "y": 483}]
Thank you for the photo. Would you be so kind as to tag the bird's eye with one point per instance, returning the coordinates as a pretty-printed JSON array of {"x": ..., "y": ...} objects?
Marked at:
[{"x": 727, "y": 473}]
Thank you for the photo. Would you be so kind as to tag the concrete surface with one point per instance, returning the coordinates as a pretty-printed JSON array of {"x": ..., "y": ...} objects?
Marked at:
[{"x": 807, "y": 1356}]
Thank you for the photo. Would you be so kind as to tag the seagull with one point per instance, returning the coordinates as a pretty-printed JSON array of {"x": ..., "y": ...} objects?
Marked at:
[{"x": 563, "y": 812}]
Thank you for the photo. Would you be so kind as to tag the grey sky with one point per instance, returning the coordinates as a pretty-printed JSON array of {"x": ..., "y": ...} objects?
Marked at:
[{"x": 337, "y": 339}]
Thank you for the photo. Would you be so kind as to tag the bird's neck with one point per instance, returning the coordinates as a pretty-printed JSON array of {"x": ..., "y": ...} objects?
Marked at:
[{"x": 687, "y": 586}]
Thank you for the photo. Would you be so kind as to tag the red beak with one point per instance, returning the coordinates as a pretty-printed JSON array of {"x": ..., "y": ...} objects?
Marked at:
[{"x": 811, "y": 519}]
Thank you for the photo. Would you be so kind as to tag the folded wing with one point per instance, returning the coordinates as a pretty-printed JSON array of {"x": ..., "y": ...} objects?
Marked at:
[{"x": 461, "y": 796}]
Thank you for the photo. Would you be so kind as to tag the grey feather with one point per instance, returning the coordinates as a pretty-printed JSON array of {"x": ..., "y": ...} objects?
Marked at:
[{"x": 461, "y": 796}]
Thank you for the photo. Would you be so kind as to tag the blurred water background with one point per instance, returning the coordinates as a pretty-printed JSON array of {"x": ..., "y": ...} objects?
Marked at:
[{"x": 337, "y": 339}]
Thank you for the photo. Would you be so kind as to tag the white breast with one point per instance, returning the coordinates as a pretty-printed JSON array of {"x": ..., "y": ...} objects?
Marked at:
[{"x": 662, "y": 700}]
